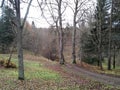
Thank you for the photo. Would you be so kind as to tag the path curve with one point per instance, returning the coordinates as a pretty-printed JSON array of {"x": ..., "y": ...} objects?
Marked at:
[{"x": 115, "y": 81}]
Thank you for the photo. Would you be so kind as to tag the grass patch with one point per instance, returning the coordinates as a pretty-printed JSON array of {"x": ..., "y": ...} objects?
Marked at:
[
  {"x": 114, "y": 72},
  {"x": 33, "y": 70},
  {"x": 39, "y": 77},
  {"x": 36, "y": 70}
]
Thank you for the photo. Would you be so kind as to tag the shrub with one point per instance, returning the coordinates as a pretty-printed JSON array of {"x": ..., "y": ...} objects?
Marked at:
[
  {"x": 1, "y": 62},
  {"x": 4, "y": 63},
  {"x": 91, "y": 60}
]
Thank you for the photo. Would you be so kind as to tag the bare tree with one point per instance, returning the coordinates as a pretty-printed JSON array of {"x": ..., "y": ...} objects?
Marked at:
[
  {"x": 2, "y": 3},
  {"x": 19, "y": 26},
  {"x": 56, "y": 8},
  {"x": 79, "y": 11}
]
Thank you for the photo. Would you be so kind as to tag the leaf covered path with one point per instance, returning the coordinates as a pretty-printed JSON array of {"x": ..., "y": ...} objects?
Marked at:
[{"x": 78, "y": 72}]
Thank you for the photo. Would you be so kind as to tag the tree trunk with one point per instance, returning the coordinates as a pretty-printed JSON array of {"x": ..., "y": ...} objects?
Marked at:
[
  {"x": 74, "y": 33},
  {"x": 101, "y": 67},
  {"x": 20, "y": 55},
  {"x": 100, "y": 43},
  {"x": 109, "y": 46},
  {"x": 114, "y": 57},
  {"x": 73, "y": 44},
  {"x": 98, "y": 62},
  {"x": 61, "y": 56},
  {"x": 98, "y": 53},
  {"x": 19, "y": 43},
  {"x": 100, "y": 56},
  {"x": 20, "y": 27},
  {"x": 61, "y": 47}
]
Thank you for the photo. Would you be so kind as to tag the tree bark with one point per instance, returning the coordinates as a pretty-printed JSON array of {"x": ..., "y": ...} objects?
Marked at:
[
  {"x": 2, "y": 3},
  {"x": 73, "y": 41},
  {"x": 19, "y": 41},
  {"x": 20, "y": 27},
  {"x": 74, "y": 33},
  {"x": 114, "y": 57},
  {"x": 61, "y": 56},
  {"x": 100, "y": 39},
  {"x": 110, "y": 33}
]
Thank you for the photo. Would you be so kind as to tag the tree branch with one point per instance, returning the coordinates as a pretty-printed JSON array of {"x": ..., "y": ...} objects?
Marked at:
[
  {"x": 2, "y": 3},
  {"x": 24, "y": 20}
]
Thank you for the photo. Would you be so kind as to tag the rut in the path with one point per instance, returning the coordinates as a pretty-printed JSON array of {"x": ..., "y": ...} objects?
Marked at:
[{"x": 95, "y": 76}]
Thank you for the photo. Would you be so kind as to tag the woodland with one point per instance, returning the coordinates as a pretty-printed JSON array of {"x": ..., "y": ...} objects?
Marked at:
[{"x": 78, "y": 54}]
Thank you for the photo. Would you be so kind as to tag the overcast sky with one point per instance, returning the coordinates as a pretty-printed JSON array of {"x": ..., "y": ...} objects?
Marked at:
[{"x": 35, "y": 14}]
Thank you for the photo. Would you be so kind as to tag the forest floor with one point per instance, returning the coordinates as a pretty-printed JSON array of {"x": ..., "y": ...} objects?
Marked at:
[{"x": 43, "y": 74}]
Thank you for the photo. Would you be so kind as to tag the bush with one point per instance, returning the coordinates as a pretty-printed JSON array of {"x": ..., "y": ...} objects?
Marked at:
[
  {"x": 4, "y": 63},
  {"x": 50, "y": 55},
  {"x": 1, "y": 62},
  {"x": 91, "y": 60}
]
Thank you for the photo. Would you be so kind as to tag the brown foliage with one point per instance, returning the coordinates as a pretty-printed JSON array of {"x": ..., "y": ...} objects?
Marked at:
[{"x": 4, "y": 63}]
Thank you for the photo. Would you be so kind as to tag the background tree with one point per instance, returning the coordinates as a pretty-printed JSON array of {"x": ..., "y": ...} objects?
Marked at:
[
  {"x": 56, "y": 8},
  {"x": 101, "y": 28},
  {"x": 115, "y": 29},
  {"x": 110, "y": 36},
  {"x": 7, "y": 34},
  {"x": 96, "y": 38},
  {"x": 79, "y": 11}
]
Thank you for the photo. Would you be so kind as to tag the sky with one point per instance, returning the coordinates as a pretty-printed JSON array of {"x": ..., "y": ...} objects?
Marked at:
[{"x": 35, "y": 14}]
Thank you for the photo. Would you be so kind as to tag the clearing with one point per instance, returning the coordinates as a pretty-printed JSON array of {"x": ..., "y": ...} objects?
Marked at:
[{"x": 43, "y": 74}]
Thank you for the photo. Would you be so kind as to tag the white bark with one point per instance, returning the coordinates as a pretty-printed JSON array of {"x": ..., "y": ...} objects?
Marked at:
[
  {"x": 61, "y": 57},
  {"x": 78, "y": 9},
  {"x": 56, "y": 11}
]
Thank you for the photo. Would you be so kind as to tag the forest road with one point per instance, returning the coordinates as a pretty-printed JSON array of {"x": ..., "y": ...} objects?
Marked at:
[{"x": 115, "y": 81}]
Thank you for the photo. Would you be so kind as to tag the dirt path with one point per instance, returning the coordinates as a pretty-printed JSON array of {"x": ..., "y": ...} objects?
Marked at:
[
  {"x": 80, "y": 72},
  {"x": 95, "y": 76}
]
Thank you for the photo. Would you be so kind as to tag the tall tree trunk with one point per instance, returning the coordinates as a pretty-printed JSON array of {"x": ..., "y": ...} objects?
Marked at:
[
  {"x": 19, "y": 42},
  {"x": 110, "y": 32},
  {"x": 61, "y": 56},
  {"x": 100, "y": 42},
  {"x": 98, "y": 61},
  {"x": 73, "y": 43},
  {"x": 20, "y": 26},
  {"x": 20, "y": 55},
  {"x": 114, "y": 57},
  {"x": 100, "y": 54},
  {"x": 74, "y": 33}
]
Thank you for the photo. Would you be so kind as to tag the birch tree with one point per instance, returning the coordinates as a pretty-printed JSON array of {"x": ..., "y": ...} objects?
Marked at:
[
  {"x": 79, "y": 11},
  {"x": 56, "y": 9}
]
